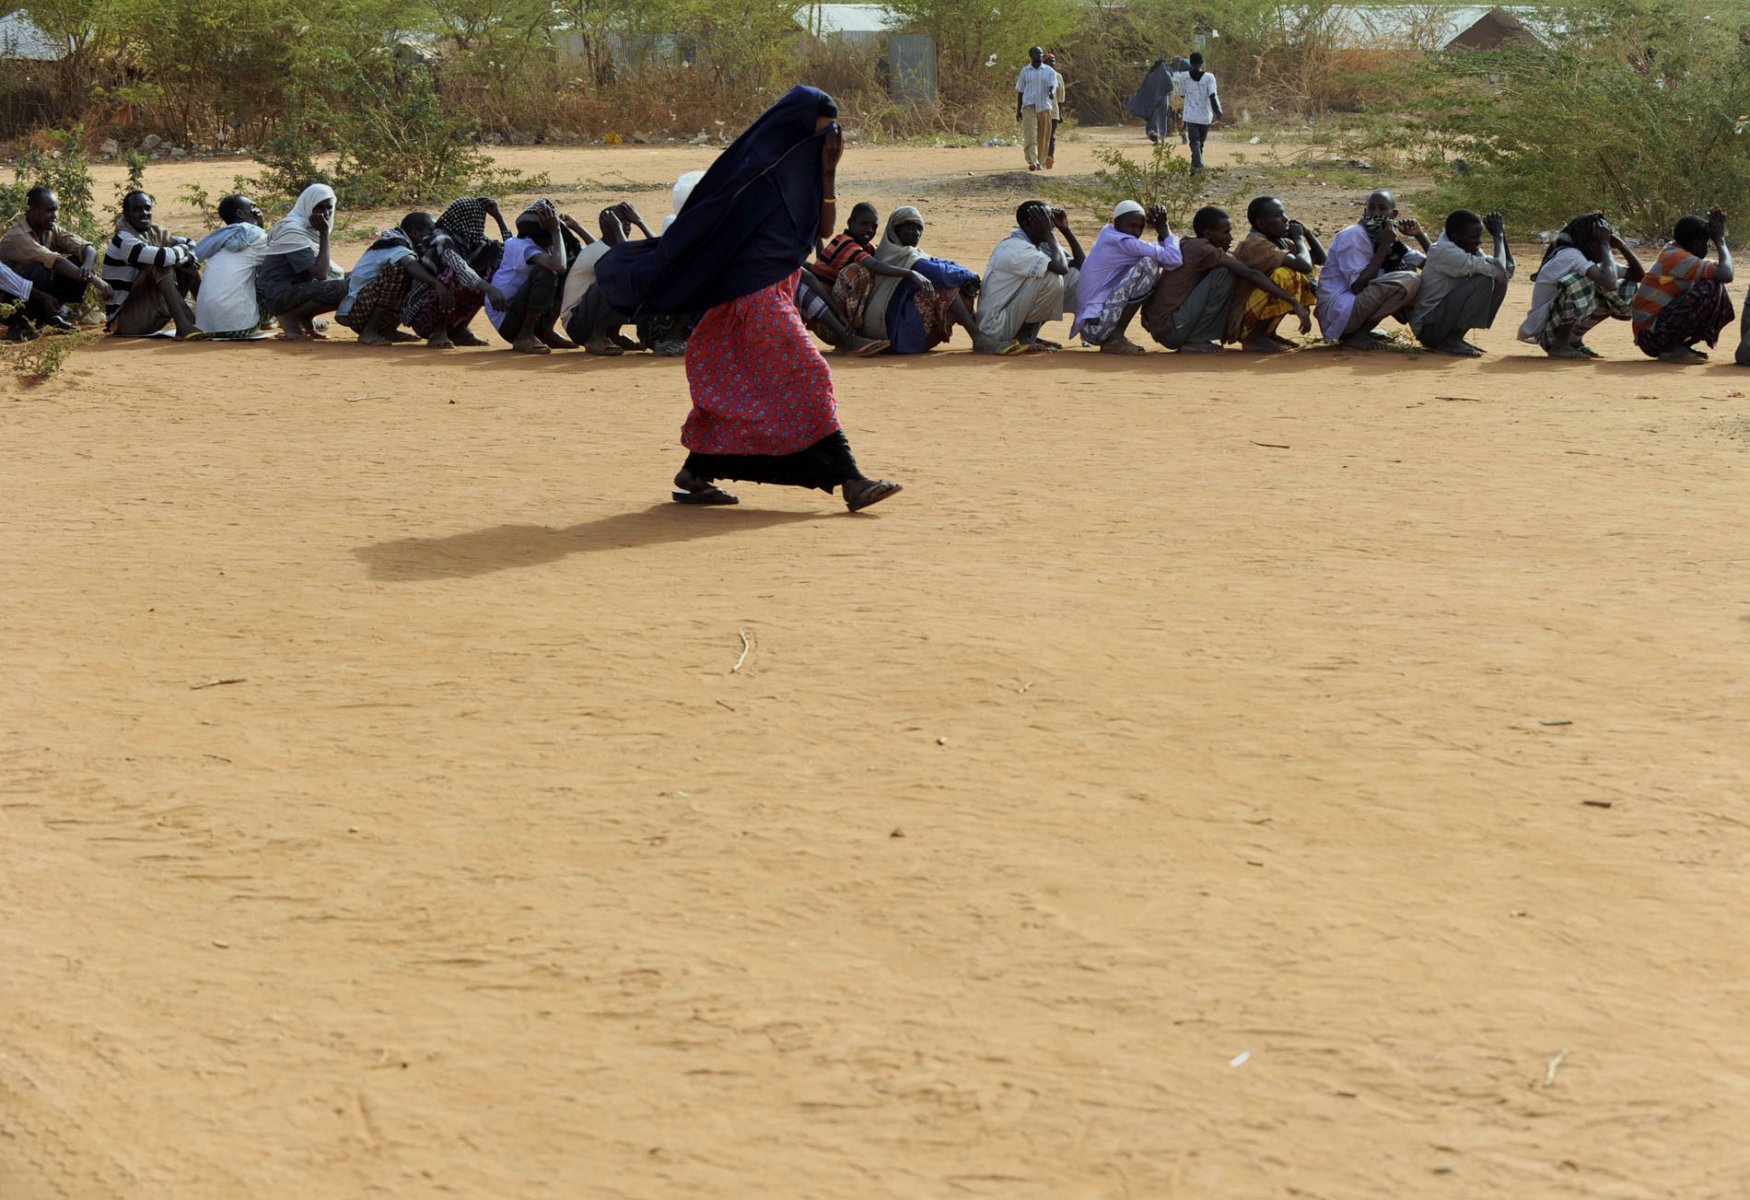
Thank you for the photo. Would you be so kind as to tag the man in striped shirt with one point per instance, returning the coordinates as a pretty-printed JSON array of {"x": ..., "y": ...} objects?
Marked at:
[
  {"x": 1682, "y": 299},
  {"x": 153, "y": 274}
]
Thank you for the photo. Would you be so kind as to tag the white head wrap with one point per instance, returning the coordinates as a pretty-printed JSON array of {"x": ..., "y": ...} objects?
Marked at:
[
  {"x": 1127, "y": 206},
  {"x": 683, "y": 188},
  {"x": 293, "y": 232}
]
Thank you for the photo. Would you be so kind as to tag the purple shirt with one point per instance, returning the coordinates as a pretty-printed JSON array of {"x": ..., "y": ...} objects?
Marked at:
[{"x": 1112, "y": 254}]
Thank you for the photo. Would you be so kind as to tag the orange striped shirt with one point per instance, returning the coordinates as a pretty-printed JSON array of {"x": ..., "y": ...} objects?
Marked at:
[
  {"x": 1674, "y": 272},
  {"x": 840, "y": 253}
]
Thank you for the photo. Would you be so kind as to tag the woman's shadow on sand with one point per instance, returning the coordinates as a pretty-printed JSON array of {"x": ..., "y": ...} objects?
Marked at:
[{"x": 504, "y": 547}]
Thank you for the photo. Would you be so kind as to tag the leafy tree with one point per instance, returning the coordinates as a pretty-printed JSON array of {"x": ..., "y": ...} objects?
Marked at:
[
  {"x": 1540, "y": 133},
  {"x": 968, "y": 32}
]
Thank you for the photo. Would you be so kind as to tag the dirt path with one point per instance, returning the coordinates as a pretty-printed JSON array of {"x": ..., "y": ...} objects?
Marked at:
[{"x": 1188, "y": 788}]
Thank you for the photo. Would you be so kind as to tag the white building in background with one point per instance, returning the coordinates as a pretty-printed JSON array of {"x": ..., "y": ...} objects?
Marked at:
[
  {"x": 862, "y": 25},
  {"x": 22, "y": 41}
]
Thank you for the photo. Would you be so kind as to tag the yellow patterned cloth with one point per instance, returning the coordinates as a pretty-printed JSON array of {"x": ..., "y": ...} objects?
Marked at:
[{"x": 1263, "y": 309}]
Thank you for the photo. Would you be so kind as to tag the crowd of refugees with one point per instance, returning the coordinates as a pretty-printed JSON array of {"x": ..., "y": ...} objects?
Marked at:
[
  {"x": 427, "y": 278},
  {"x": 753, "y": 266}
]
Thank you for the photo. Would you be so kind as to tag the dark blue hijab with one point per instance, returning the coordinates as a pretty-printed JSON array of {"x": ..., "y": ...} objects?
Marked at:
[
  {"x": 1156, "y": 86},
  {"x": 750, "y": 221}
]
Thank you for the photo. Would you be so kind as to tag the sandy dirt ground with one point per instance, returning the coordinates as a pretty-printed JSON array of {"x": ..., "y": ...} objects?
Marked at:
[{"x": 1317, "y": 777}]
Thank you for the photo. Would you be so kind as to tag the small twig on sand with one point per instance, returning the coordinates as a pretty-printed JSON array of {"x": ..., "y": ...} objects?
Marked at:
[
  {"x": 195, "y": 687},
  {"x": 1271, "y": 445},
  {"x": 1466, "y": 399},
  {"x": 746, "y": 649},
  {"x": 1549, "y": 1074},
  {"x": 730, "y": 707}
]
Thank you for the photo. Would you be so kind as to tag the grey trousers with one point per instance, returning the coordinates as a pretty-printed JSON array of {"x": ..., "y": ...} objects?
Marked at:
[
  {"x": 1203, "y": 316},
  {"x": 1039, "y": 300},
  {"x": 1471, "y": 304}
]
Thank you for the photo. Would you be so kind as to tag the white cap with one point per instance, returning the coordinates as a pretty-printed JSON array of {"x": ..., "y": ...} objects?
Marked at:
[{"x": 1128, "y": 206}]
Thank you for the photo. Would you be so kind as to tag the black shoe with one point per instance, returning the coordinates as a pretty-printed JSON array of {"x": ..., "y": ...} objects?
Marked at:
[
  {"x": 20, "y": 331},
  {"x": 57, "y": 324}
]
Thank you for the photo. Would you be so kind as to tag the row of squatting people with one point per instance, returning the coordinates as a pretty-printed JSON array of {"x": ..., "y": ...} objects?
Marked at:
[
  {"x": 433, "y": 275},
  {"x": 1194, "y": 293}
]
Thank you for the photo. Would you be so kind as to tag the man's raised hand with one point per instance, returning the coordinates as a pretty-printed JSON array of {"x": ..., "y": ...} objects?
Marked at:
[{"x": 1716, "y": 224}]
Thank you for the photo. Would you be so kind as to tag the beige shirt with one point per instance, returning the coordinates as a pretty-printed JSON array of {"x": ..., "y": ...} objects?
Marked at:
[{"x": 22, "y": 247}]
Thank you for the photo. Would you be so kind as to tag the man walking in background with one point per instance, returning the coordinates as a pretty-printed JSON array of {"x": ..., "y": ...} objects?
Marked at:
[
  {"x": 1202, "y": 107},
  {"x": 1035, "y": 100},
  {"x": 1056, "y": 111}
]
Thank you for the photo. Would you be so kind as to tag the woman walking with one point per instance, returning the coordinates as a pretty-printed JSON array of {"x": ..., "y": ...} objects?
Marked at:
[{"x": 763, "y": 403}]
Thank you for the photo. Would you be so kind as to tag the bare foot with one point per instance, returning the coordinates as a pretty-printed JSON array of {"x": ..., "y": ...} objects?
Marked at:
[
  {"x": 1199, "y": 348},
  {"x": 371, "y": 337},
  {"x": 1263, "y": 345},
  {"x": 467, "y": 337},
  {"x": 556, "y": 341},
  {"x": 440, "y": 341},
  {"x": 530, "y": 346},
  {"x": 1120, "y": 345},
  {"x": 603, "y": 347},
  {"x": 1459, "y": 348},
  {"x": 1684, "y": 355}
]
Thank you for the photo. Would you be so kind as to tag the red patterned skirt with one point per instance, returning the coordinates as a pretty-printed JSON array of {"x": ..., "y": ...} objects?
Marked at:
[{"x": 759, "y": 385}]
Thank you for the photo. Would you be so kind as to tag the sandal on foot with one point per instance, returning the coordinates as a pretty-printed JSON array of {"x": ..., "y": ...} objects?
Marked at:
[
  {"x": 875, "y": 492},
  {"x": 708, "y": 496}
]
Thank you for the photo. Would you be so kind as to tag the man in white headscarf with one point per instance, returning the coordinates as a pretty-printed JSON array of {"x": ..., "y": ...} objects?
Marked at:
[
  {"x": 298, "y": 280},
  {"x": 1120, "y": 273}
]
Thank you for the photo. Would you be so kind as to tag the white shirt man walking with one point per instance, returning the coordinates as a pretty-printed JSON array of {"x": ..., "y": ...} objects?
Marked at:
[
  {"x": 1202, "y": 107},
  {"x": 1035, "y": 101}
]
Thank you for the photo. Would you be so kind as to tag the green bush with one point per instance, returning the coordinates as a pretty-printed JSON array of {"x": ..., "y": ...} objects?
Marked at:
[
  {"x": 1163, "y": 178},
  {"x": 64, "y": 169},
  {"x": 393, "y": 143}
]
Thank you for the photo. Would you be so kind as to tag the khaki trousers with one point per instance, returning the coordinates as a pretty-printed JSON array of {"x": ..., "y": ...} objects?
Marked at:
[{"x": 1037, "y": 124}]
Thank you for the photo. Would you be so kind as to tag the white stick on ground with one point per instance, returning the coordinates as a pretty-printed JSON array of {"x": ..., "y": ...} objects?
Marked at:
[
  {"x": 1549, "y": 1074},
  {"x": 746, "y": 648}
]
